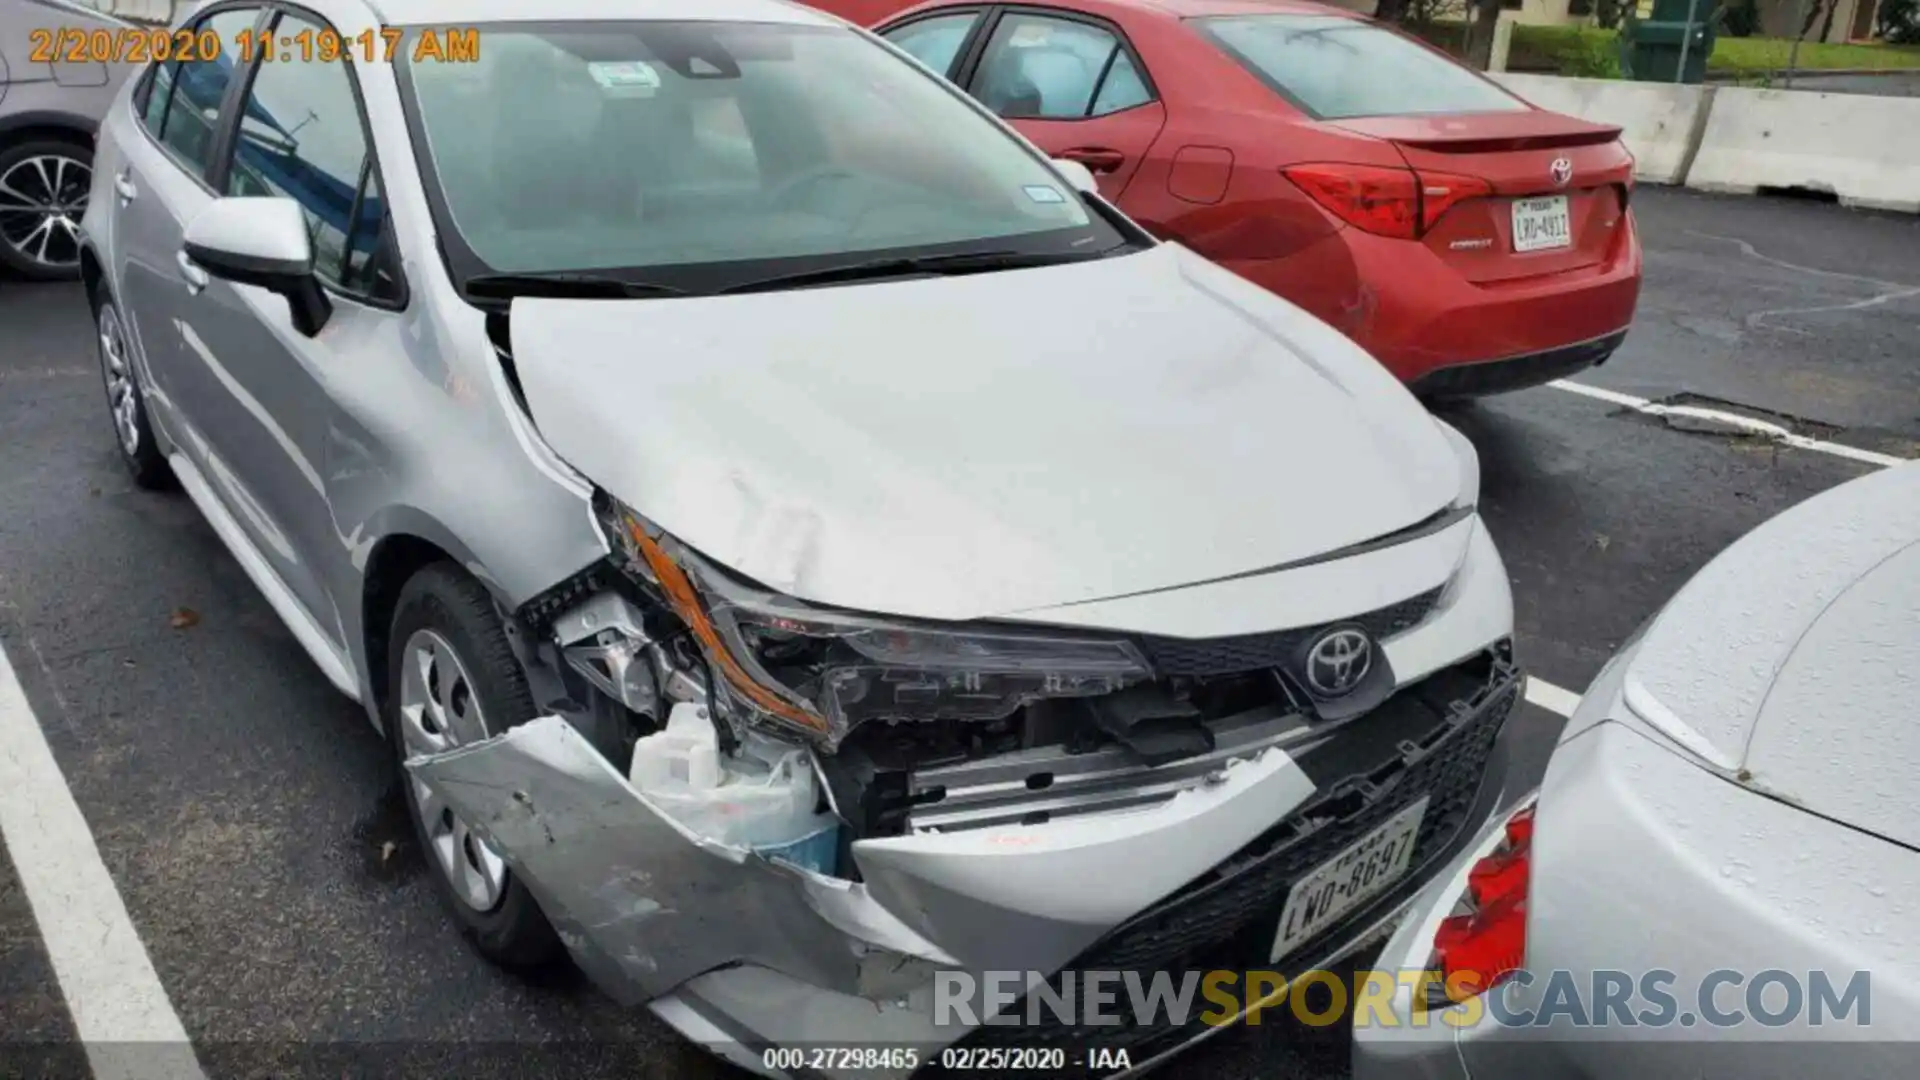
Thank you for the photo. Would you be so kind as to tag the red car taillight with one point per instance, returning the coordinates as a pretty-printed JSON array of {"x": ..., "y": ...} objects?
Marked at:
[
  {"x": 1400, "y": 203},
  {"x": 1478, "y": 950}
]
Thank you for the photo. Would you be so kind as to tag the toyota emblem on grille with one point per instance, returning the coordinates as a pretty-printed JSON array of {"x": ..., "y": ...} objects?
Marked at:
[
  {"x": 1338, "y": 661},
  {"x": 1561, "y": 170}
]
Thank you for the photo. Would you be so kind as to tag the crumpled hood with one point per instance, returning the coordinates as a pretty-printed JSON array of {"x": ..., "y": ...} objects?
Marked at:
[
  {"x": 1795, "y": 656},
  {"x": 953, "y": 448}
]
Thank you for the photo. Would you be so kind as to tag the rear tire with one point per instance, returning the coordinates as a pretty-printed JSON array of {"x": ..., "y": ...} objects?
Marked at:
[
  {"x": 126, "y": 403},
  {"x": 44, "y": 186},
  {"x": 453, "y": 680}
]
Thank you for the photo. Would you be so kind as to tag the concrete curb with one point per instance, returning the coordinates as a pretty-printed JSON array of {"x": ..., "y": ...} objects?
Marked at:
[
  {"x": 1658, "y": 121},
  {"x": 1861, "y": 148}
]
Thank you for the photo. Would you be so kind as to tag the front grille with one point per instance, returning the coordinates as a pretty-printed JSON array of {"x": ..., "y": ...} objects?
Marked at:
[
  {"x": 1252, "y": 652},
  {"x": 1226, "y": 919}
]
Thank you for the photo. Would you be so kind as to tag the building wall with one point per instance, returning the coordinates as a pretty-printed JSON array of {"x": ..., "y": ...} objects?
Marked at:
[
  {"x": 1781, "y": 18},
  {"x": 157, "y": 11},
  {"x": 1546, "y": 13}
]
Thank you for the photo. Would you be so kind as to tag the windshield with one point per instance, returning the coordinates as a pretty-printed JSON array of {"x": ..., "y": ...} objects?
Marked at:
[
  {"x": 1337, "y": 68},
  {"x": 711, "y": 153}
]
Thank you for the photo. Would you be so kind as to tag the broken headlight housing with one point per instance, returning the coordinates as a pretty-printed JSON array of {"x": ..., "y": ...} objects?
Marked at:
[{"x": 822, "y": 672}]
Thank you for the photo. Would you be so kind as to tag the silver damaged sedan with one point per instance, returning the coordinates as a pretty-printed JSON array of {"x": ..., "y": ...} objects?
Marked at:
[{"x": 799, "y": 541}]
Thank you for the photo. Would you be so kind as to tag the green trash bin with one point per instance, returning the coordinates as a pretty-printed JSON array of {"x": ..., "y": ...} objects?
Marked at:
[{"x": 1667, "y": 40}]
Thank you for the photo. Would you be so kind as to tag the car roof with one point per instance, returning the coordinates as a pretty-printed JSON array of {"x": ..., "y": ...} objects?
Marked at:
[
  {"x": 464, "y": 12},
  {"x": 1186, "y": 9}
]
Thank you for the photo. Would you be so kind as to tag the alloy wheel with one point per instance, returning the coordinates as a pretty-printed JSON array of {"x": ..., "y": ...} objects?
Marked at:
[
  {"x": 42, "y": 199},
  {"x": 439, "y": 711},
  {"x": 122, "y": 395}
]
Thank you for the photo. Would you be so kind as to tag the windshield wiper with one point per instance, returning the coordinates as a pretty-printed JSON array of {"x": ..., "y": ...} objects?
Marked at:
[
  {"x": 971, "y": 262},
  {"x": 563, "y": 284}
]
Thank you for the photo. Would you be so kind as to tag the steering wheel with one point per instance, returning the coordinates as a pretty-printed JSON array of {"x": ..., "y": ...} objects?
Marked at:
[{"x": 804, "y": 180}]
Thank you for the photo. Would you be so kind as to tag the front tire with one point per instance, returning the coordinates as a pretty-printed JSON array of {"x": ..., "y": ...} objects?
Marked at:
[
  {"x": 452, "y": 681},
  {"x": 139, "y": 450},
  {"x": 44, "y": 187}
]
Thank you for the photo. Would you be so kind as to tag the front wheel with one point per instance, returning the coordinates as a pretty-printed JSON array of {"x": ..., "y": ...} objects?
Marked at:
[{"x": 454, "y": 681}]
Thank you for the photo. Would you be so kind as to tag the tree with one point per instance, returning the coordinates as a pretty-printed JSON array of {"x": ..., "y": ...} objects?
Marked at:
[
  {"x": 1740, "y": 18},
  {"x": 1900, "y": 21},
  {"x": 1482, "y": 16},
  {"x": 1813, "y": 15}
]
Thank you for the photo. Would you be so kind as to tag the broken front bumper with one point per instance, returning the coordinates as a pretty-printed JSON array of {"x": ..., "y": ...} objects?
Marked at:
[{"x": 745, "y": 954}]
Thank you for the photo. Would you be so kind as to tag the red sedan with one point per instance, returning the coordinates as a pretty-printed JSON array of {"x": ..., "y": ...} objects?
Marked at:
[{"x": 1470, "y": 241}]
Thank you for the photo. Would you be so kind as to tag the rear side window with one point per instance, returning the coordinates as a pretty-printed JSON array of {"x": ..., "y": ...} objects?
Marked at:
[
  {"x": 1336, "y": 68},
  {"x": 935, "y": 42},
  {"x": 1044, "y": 68},
  {"x": 183, "y": 108},
  {"x": 153, "y": 98}
]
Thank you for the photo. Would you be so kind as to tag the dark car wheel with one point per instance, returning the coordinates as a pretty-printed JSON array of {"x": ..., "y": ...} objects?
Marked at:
[
  {"x": 139, "y": 450},
  {"x": 454, "y": 681},
  {"x": 44, "y": 184}
]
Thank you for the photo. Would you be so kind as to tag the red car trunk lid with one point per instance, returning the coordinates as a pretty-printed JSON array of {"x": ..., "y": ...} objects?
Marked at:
[{"x": 1532, "y": 159}]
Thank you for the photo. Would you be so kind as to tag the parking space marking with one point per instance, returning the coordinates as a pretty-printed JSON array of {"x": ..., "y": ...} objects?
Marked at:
[
  {"x": 1554, "y": 699},
  {"x": 1748, "y": 424},
  {"x": 119, "y": 1008}
]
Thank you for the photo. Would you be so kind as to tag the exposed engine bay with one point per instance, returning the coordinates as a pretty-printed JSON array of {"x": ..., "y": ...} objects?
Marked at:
[{"x": 794, "y": 731}]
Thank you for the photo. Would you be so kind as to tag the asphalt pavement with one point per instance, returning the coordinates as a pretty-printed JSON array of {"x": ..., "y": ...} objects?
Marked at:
[
  {"x": 1873, "y": 83},
  {"x": 249, "y": 817}
]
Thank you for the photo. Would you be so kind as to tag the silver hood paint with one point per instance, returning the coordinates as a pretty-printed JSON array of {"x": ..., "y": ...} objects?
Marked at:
[
  {"x": 953, "y": 448},
  {"x": 1794, "y": 657}
]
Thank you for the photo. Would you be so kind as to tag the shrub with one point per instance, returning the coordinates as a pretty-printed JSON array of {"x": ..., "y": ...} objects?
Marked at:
[
  {"x": 1591, "y": 56},
  {"x": 1567, "y": 50},
  {"x": 1900, "y": 21},
  {"x": 1742, "y": 17}
]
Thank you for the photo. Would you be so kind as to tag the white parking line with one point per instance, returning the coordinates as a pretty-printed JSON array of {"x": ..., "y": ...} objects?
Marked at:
[
  {"x": 1748, "y": 424},
  {"x": 1556, "y": 699},
  {"x": 1563, "y": 701},
  {"x": 119, "y": 1008}
]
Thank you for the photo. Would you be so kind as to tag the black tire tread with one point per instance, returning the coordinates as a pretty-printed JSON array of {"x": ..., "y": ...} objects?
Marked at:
[
  {"x": 516, "y": 934},
  {"x": 147, "y": 465}
]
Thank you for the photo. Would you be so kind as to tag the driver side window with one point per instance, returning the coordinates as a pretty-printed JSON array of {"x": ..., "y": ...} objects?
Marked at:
[{"x": 301, "y": 137}]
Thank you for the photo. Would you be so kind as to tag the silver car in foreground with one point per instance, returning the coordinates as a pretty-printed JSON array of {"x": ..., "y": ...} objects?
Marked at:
[
  {"x": 800, "y": 542},
  {"x": 1721, "y": 876}
]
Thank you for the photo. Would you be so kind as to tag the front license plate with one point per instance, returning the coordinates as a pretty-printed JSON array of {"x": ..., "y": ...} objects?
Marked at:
[
  {"x": 1541, "y": 224},
  {"x": 1348, "y": 880}
]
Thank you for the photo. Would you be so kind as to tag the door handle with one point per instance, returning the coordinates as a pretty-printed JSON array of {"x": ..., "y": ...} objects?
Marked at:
[
  {"x": 1096, "y": 158},
  {"x": 123, "y": 184},
  {"x": 196, "y": 276}
]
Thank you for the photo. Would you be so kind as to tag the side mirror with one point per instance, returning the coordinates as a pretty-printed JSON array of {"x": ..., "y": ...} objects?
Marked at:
[
  {"x": 1078, "y": 175},
  {"x": 262, "y": 242}
]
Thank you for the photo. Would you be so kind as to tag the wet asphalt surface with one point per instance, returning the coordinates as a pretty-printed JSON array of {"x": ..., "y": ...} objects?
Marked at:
[{"x": 250, "y": 819}]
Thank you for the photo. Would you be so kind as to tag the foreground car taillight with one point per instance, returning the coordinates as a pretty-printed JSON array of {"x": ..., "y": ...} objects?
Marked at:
[
  {"x": 1479, "y": 948},
  {"x": 1400, "y": 203}
]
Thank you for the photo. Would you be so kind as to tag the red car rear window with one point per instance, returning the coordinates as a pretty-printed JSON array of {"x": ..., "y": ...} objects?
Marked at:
[{"x": 1336, "y": 68}]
